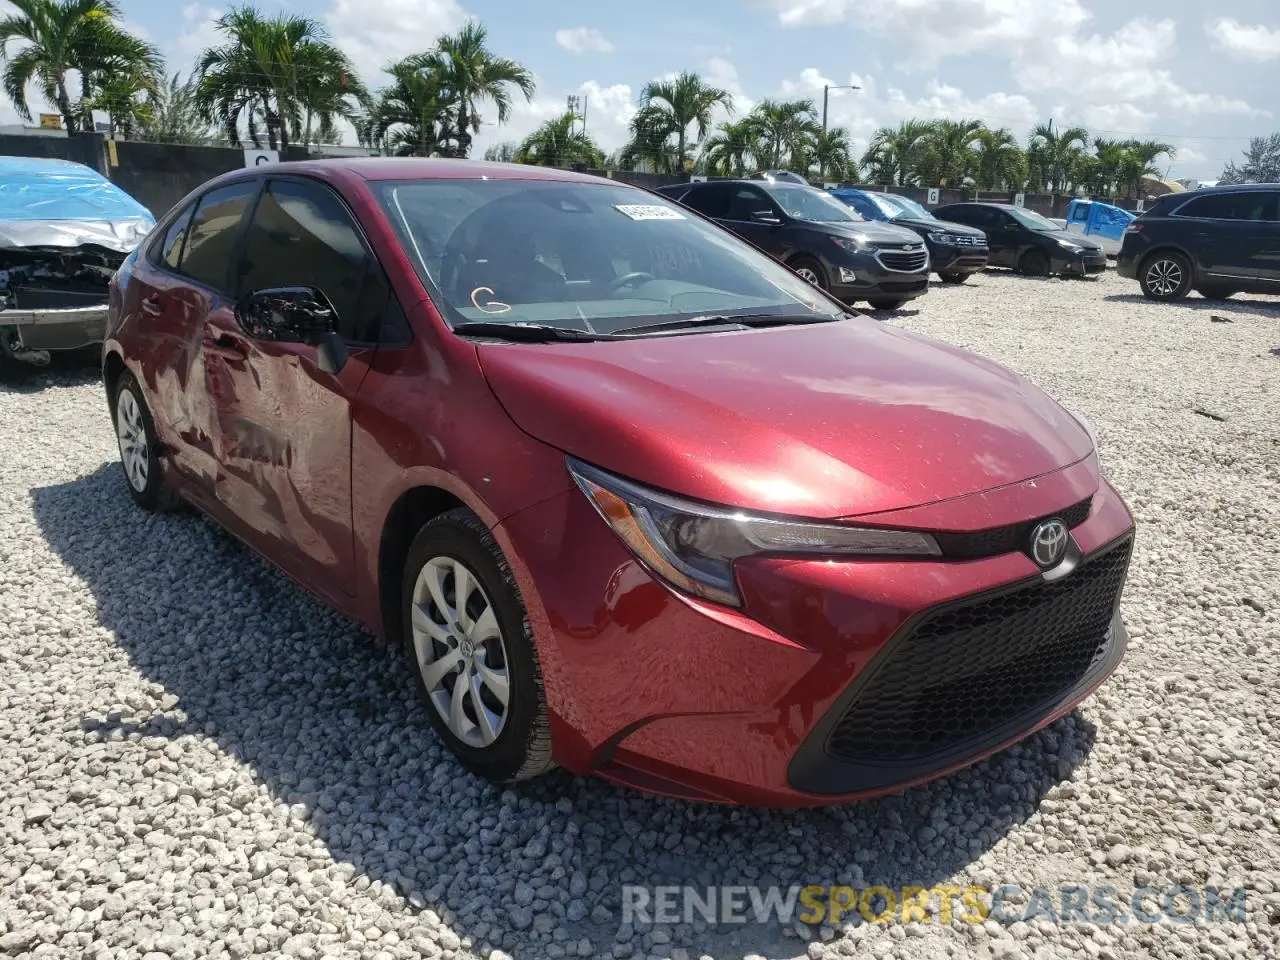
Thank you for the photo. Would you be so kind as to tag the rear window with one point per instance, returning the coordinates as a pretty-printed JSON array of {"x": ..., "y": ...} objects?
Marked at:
[{"x": 1251, "y": 205}]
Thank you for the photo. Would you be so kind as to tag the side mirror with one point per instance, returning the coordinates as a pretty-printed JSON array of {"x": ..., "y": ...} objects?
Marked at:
[
  {"x": 295, "y": 315},
  {"x": 766, "y": 216}
]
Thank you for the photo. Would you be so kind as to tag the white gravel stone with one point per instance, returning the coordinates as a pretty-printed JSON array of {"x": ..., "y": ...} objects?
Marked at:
[{"x": 200, "y": 760}]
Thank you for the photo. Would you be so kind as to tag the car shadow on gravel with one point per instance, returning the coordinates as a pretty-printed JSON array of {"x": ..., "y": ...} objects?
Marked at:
[
  {"x": 1237, "y": 304},
  {"x": 328, "y": 722},
  {"x": 74, "y": 368}
]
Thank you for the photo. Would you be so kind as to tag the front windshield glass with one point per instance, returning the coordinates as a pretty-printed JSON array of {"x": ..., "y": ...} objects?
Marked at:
[
  {"x": 810, "y": 203},
  {"x": 581, "y": 256},
  {"x": 912, "y": 209},
  {"x": 1029, "y": 218}
]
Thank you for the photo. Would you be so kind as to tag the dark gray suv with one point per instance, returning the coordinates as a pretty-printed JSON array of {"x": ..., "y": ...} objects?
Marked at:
[
  {"x": 820, "y": 238},
  {"x": 1217, "y": 241}
]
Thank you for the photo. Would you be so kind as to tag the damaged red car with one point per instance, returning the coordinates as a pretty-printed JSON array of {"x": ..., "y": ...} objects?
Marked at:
[{"x": 635, "y": 499}]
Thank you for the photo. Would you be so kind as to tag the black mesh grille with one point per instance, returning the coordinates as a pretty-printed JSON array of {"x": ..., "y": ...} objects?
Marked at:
[
  {"x": 1010, "y": 539},
  {"x": 966, "y": 671},
  {"x": 904, "y": 261}
]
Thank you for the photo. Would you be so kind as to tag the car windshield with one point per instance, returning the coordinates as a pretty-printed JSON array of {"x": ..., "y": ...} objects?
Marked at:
[
  {"x": 577, "y": 256},
  {"x": 1029, "y": 218},
  {"x": 911, "y": 209},
  {"x": 810, "y": 203}
]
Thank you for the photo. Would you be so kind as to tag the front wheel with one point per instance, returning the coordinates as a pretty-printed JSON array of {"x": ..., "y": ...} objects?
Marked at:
[
  {"x": 1034, "y": 264},
  {"x": 140, "y": 448},
  {"x": 886, "y": 304},
  {"x": 1165, "y": 277},
  {"x": 810, "y": 271},
  {"x": 469, "y": 640},
  {"x": 954, "y": 277}
]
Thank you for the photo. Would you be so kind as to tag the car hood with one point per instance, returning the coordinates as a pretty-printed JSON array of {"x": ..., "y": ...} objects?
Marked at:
[
  {"x": 873, "y": 230},
  {"x": 959, "y": 229},
  {"x": 830, "y": 420},
  {"x": 1078, "y": 239}
]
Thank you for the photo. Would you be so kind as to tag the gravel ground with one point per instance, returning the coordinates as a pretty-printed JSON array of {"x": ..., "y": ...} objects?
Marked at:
[{"x": 200, "y": 761}]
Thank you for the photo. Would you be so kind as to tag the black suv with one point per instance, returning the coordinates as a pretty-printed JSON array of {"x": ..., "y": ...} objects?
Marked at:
[
  {"x": 817, "y": 236},
  {"x": 1023, "y": 240},
  {"x": 1217, "y": 241}
]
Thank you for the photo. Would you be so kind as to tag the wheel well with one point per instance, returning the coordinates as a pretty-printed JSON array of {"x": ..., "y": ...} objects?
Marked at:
[
  {"x": 414, "y": 509},
  {"x": 112, "y": 367},
  {"x": 1167, "y": 248}
]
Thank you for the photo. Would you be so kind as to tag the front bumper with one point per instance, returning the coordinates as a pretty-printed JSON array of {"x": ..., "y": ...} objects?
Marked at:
[
  {"x": 60, "y": 328},
  {"x": 1085, "y": 266},
  {"x": 667, "y": 694},
  {"x": 951, "y": 259}
]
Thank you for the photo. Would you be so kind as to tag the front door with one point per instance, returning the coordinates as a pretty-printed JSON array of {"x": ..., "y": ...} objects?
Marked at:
[
  {"x": 284, "y": 424},
  {"x": 749, "y": 209},
  {"x": 1004, "y": 238}
]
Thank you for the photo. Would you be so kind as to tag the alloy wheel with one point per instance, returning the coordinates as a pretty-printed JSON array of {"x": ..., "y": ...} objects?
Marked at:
[
  {"x": 461, "y": 653},
  {"x": 1164, "y": 277},
  {"x": 131, "y": 432},
  {"x": 808, "y": 275}
]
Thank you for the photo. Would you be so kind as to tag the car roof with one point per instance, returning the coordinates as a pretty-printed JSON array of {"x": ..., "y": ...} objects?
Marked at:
[
  {"x": 1225, "y": 188},
  {"x": 980, "y": 203}
]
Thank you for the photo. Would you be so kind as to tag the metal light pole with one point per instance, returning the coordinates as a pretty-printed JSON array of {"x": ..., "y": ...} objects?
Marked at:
[{"x": 826, "y": 94}]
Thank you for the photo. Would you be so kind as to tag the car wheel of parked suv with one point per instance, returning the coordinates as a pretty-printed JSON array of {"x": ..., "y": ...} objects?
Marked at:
[
  {"x": 469, "y": 640},
  {"x": 139, "y": 448},
  {"x": 1215, "y": 293},
  {"x": 1165, "y": 276},
  {"x": 810, "y": 271},
  {"x": 1034, "y": 264},
  {"x": 954, "y": 277}
]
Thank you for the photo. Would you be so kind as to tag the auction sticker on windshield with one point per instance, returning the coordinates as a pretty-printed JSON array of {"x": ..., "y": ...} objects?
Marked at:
[{"x": 642, "y": 211}]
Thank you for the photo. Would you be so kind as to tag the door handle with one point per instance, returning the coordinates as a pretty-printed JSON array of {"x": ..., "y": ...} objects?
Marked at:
[
  {"x": 153, "y": 305},
  {"x": 226, "y": 346}
]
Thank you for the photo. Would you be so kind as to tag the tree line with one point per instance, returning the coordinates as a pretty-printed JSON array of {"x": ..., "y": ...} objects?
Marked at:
[{"x": 281, "y": 80}]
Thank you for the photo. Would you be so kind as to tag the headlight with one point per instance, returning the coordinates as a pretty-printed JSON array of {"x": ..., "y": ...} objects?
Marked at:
[
  {"x": 939, "y": 236},
  {"x": 1073, "y": 247},
  {"x": 855, "y": 244},
  {"x": 693, "y": 546}
]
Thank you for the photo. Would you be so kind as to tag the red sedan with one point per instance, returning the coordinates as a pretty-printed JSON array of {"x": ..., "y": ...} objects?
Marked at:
[{"x": 636, "y": 499}]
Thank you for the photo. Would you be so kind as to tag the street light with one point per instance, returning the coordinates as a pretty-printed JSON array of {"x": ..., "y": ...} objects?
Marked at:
[{"x": 826, "y": 90}]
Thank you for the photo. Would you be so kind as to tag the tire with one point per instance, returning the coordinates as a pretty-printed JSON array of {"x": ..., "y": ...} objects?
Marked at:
[
  {"x": 139, "y": 448},
  {"x": 886, "y": 304},
  {"x": 1165, "y": 276},
  {"x": 1215, "y": 293},
  {"x": 489, "y": 637},
  {"x": 954, "y": 277},
  {"x": 1034, "y": 264},
  {"x": 811, "y": 271}
]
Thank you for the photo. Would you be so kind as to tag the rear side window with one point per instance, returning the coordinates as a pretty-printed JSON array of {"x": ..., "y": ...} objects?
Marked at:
[
  {"x": 214, "y": 231},
  {"x": 302, "y": 235},
  {"x": 168, "y": 252},
  {"x": 710, "y": 201},
  {"x": 1253, "y": 205}
]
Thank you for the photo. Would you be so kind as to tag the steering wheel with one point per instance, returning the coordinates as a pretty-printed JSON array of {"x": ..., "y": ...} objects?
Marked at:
[{"x": 630, "y": 280}]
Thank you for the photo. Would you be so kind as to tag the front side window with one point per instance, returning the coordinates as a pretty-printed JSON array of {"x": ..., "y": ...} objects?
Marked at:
[
  {"x": 303, "y": 236},
  {"x": 581, "y": 256},
  {"x": 809, "y": 203},
  {"x": 214, "y": 231},
  {"x": 1032, "y": 220}
]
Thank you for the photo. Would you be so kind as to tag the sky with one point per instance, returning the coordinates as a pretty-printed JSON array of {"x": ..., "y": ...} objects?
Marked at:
[{"x": 1205, "y": 77}]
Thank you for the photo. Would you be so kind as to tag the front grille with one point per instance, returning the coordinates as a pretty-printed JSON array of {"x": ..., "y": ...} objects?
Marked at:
[
  {"x": 1009, "y": 539},
  {"x": 966, "y": 671},
  {"x": 967, "y": 241},
  {"x": 904, "y": 261}
]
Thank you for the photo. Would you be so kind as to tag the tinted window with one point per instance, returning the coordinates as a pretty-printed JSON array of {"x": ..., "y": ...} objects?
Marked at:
[
  {"x": 215, "y": 228},
  {"x": 808, "y": 203},
  {"x": 1232, "y": 206},
  {"x": 593, "y": 256},
  {"x": 302, "y": 236},
  {"x": 712, "y": 201},
  {"x": 745, "y": 201},
  {"x": 168, "y": 251},
  {"x": 961, "y": 215}
]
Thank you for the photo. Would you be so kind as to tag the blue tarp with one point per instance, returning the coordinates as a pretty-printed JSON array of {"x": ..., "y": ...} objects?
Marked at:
[{"x": 38, "y": 189}]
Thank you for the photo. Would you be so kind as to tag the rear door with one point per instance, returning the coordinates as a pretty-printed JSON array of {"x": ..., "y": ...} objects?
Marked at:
[
  {"x": 284, "y": 424},
  {"x": 1231, "y": 234}
]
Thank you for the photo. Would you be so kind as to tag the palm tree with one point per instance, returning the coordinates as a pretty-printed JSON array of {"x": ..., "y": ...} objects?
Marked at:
[
  {"x": 1105, "y": 167},
  {"x": 329, "y": 90},
  {"x": 65, "y": 35},
  {"x": 785, "y": 128},
  {"x": 650, "y": 144},
  {"x": 948, "y": 151},
  {"x": 728, "y": 151},
  {"x": 1139, "y": 161},
  {"x": 832, "y": 152},
  {"x": 1055, "y": 157},
  {"x": 118, "y": 93},
  {"x": 999, "y": 161},
  {"x": 469, "y": 74},
  {"x": 268, "y": 68},
  {"x": 895, "y": 155},
  {"x": 557, "y": 144},
  {"x": 411, "y": 117},
  {"x": 670, "y": 106}
]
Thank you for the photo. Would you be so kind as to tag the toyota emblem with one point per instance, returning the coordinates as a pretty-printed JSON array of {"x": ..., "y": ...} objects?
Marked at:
[{"x": 1049, "y": 543}]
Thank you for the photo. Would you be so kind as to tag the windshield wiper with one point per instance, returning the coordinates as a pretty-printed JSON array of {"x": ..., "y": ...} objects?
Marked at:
[
  {"x": 524, "y": 331},
  {"x": 731, "y": 320}
]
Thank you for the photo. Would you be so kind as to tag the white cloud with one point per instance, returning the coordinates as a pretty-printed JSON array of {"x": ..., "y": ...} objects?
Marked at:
[
  {"x": 609, "y": 111},
  {"x": 198, "y": 33},
  {"x": 373, "y": 33},
  {"x": 583, "y": 40},
  {"x": 1251, "y": 42}
]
